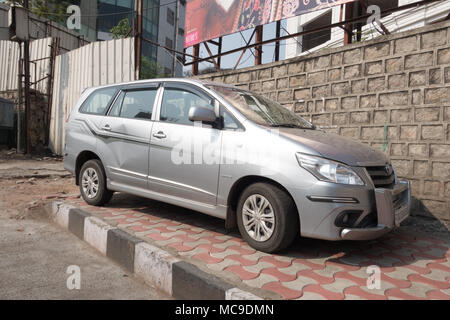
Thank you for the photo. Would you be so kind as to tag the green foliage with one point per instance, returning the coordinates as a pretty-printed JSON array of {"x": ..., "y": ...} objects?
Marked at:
[
  {"x": 122, "y": 30},
  {"x": 150, "y": 69},
  {"x": 55, "y": 10}
]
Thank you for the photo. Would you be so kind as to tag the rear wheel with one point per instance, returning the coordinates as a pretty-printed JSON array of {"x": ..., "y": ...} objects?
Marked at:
[
  {"x": 267, "y": 217},
  {"x": 92, "y": 181}
]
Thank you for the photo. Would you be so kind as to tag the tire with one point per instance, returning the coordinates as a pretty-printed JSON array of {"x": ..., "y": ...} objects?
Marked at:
[
  {"x": 95, "y": 171},
  {"x": 285, "y": 225}
]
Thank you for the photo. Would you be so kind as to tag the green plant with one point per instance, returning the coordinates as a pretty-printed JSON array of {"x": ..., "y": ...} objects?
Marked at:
[
  {"x": 55, "y": 10},
  {"x": 122, "y": 30},
  {"x": 150, "y": 69}
]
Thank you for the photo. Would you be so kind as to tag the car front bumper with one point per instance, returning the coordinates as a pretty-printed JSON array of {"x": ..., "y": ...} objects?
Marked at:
[{"x": 392, "y": 205}]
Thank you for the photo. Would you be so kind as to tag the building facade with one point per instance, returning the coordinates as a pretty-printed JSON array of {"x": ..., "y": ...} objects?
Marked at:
[
  {"x": 159, "y": 25},
  {"x": 395, "y": 22}
]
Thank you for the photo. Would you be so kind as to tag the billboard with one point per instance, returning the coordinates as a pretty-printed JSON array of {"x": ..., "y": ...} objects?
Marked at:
[{"x": 209, "y": 19}]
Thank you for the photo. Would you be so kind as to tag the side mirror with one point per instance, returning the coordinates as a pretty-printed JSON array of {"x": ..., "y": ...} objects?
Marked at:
[{"x": 202, "y": 114}]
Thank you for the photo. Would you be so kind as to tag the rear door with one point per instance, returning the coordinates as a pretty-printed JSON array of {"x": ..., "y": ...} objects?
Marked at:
[
  {"x": 184, "y": 157},
  {"x": 126, "y": 135}
]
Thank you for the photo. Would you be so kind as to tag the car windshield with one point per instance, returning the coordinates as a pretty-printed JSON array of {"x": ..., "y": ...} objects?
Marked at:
[{"x": 261, "y": 110}]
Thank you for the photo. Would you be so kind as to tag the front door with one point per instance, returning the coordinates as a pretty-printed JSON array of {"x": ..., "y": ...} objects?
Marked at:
[
  {"x": 126, "y": 136},
  {"x": 184, "y": 157}
]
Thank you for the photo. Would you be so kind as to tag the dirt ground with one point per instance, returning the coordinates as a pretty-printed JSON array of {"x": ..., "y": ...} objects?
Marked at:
[{"x": 27, "y": 183}]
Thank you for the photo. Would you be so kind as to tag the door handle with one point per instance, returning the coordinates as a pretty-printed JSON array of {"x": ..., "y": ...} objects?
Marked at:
[
  {"x": 160, "y": 135},
  {"x": 106, "y": 128}
]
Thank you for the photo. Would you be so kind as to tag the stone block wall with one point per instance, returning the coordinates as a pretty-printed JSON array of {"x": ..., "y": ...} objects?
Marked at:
[{"x": 392, "y": 93}]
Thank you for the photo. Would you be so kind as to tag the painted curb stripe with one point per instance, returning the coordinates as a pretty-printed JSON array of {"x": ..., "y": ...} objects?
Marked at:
[
  {"x": 120, "y": 247},
  {"x": 154, "y": 266},
  {"x": 96, "y": 233},
  {"x": 76, "y": 222},
  {"x": 191, "y": 283},
  {"x": 157, "y": 267}
]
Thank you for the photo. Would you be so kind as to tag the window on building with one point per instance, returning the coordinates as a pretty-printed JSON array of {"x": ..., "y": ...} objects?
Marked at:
[
  {"x": 170, "y": 16},
  {"x": 315, "y": 39},
  {"x": 181, "y": 31},
  {"x": 169, "y": 43}
]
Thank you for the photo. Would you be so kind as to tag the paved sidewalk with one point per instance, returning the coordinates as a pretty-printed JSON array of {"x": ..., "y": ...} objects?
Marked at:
[{"x": 412, "y": 266}]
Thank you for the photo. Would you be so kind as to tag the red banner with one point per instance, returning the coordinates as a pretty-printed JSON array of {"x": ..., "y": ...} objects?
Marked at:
[{"x": 209, "y": 19}]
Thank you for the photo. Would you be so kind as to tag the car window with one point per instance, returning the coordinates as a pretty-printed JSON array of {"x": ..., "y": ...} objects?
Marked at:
[
  {"x": 115, "y": 110},
  {"x": 138, "y": 104},
  {"x": 229, "y": 122},
  {"x": 98, "y": 101},
  {"x": 177, "y": 103}
]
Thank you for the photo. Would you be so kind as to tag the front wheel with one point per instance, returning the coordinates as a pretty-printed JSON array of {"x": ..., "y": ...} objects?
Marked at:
[
  {"x": 92, "y": 181},
  {"x": 267, "y": 217}
]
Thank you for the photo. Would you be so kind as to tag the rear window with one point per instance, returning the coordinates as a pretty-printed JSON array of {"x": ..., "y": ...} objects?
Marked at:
[{"x": 98, "y": 101}]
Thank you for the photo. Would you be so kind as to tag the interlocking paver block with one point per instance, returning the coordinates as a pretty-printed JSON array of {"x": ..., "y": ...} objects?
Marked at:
[
  {"x": 241, "y": 272},
  {"x": 276, "y": 261},
  {"x": 299, "y": 283},
  {"x": 222, "y": 265},
  {"x": 430, "y": 282},
  {"x": 243, "y": 261},
  {"x": 206, "y": 257},
  {"x": 309, "y": 264},
  {"x": 417, "y": 291},
  {"x": 283, "y": 291},
  {"x": 311, "y": 296},
  {"x": 401, "y": 273},
  {"x": 180, "y": 247},
  {"x": 314, "y": 275},
  {"x": 363, "y": 294},
  {"x": 341, "y": 265},
  {"x": 338, "y": 285},
  {"x": 293, "y": 268},
  {"x": 283, "y": 277},
  {"x": 260, "y": 280},
  {"x": 226, "y": 253},
  {"x": 189, "y": 254},
  {"x": 438, "y": 295},
  {"x": 329, "y": 295}
]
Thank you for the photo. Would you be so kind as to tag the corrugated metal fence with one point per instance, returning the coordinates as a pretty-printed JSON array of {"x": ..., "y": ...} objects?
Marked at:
[
  {"x": 40, "y": 51},
  {"x": 98, "y": 63}
]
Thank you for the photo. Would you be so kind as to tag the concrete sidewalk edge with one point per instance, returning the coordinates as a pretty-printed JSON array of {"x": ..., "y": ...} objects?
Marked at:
[{"x": 180, "y": 279}]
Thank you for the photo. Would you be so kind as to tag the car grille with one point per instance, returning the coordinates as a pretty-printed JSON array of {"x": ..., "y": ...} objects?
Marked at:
[{"x": 381, "y": 177}]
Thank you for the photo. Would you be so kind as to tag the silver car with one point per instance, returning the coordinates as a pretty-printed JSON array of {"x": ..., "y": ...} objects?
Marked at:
[{"x": 231, "y": 154}]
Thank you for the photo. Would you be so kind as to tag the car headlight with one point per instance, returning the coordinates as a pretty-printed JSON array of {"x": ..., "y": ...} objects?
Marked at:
[{"x": 328, "y": 170}]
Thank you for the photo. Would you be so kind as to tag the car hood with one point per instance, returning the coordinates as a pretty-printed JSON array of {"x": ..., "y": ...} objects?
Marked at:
[{"x": 336, "y": 147}]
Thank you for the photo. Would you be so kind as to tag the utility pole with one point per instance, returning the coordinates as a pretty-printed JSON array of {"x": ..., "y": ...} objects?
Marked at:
[
  {"x": 196, "y": 54},
  {"x": 277, "y": 44},
  {"x": 26, "y": 59},
  {"x": 258, "y": 49},
  {"x": 348, "y": 32},
  {"x": 138, "y": 36},
  {"x": 175, "y": 40},
  {"x": 20, "y": 102}
]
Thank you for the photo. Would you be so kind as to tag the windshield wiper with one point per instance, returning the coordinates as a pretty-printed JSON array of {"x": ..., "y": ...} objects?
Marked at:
[{"x": 290, "y": 125}]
